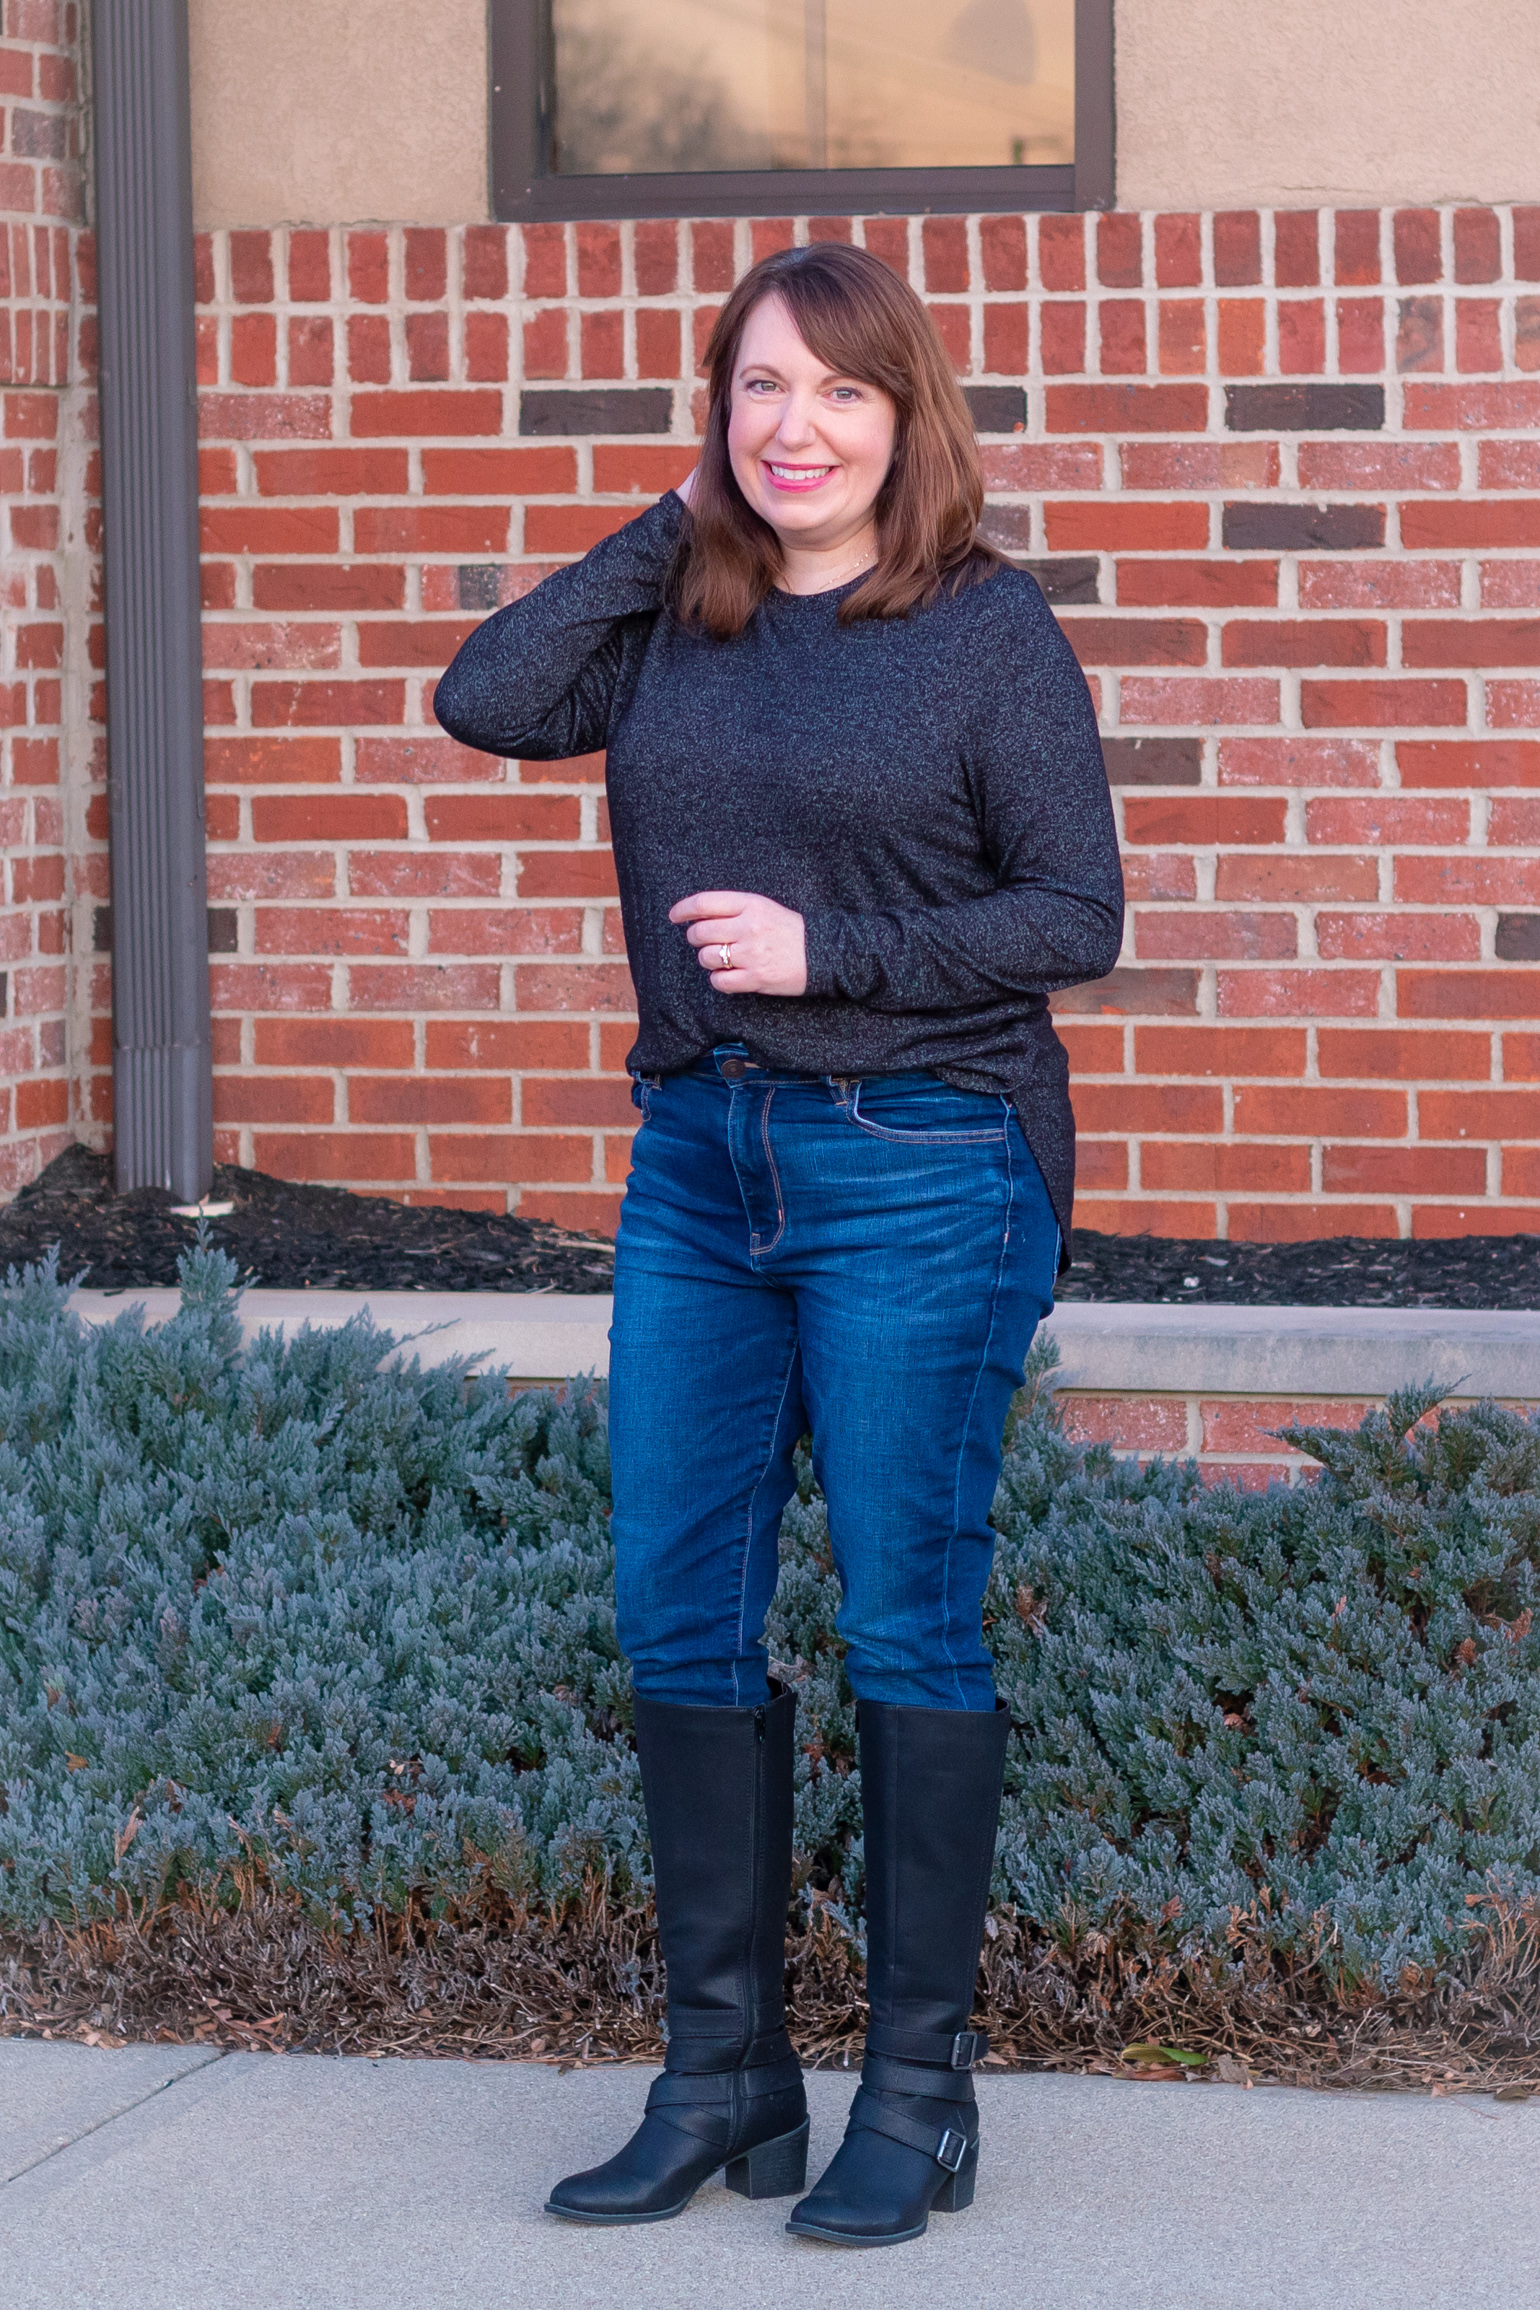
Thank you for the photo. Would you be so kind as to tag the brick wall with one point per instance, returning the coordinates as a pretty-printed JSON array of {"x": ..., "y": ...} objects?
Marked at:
[
  {"x": 1234, "y": 1439},
  {"x": 41, "y": 463},
  {"x": 1276, "y": 471}
]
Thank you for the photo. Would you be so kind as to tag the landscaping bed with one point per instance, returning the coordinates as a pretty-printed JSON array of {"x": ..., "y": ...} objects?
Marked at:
[
  {"x": 289, "y": 1236},
  {"x": 314, "y": 1731}
]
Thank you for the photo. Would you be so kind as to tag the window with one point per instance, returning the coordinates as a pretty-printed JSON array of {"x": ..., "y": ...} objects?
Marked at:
[{"x": 613, "y": 108}]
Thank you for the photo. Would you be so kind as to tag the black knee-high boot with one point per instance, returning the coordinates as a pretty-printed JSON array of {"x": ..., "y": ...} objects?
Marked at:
[
  {"x": 717, "y": 1784},
  {"x": 930, "y": 1788}
]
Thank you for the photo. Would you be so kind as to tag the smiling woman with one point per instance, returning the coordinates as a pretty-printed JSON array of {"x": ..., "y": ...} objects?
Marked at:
[{"x": 861, "y": 829}]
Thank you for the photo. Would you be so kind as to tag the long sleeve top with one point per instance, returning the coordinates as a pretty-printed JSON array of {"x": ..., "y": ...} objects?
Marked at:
[{"x": 927, "y": 792}]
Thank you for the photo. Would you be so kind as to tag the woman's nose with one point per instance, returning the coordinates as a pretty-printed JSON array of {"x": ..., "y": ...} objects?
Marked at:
[{"x": 796, "y": 428}]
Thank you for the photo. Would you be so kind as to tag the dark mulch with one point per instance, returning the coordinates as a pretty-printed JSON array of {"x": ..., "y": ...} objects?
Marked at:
[
  {"x": 1489, "y": 1271},
  {"x": 288, "y": 1236}
]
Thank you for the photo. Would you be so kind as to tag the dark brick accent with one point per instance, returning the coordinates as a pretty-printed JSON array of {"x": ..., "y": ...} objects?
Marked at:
[
  {"x": 609, "y": 409},
  {"x": 1303, "y": 528},
  {"x": 997, "y": 408},
  {"x": 222, "y": 930},
  {"x": 1007, "y": 526},
  {"x": 101, "y": 930},
  {"x": 1518, "y": 938},
  {"x": 476, "y": 584},
  {"x": 40, "y": 135},
  {"x": 1304, "y": 408},
  {"x": 1151, "y": 994},
  {"x": 1153, "y": 761},
  {"x": 1070, "y": 579}
]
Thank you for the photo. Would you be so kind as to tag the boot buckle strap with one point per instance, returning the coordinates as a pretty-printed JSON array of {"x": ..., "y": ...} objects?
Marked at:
[
  {"x": 963, "y": 2049},
  {"x": 951, "y": 2149},
  {"x": 969, "y": 2047}
]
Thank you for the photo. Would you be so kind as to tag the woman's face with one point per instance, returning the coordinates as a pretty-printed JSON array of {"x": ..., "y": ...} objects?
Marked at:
[{"x": 809, "y": 449}]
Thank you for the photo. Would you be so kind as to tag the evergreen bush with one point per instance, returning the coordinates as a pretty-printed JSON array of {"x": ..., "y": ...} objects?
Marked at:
[{"x": 313, "y": 1618}]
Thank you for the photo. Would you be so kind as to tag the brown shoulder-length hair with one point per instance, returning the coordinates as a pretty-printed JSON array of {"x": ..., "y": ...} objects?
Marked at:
[{"x": 854, "y": 313}]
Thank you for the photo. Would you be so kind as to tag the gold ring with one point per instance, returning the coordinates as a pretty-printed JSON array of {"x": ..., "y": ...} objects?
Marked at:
[{"x": 727, "y": 958}]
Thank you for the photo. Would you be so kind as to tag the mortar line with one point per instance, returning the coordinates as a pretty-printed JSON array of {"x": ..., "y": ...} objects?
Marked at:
[{"x": 214, "y": 2053}]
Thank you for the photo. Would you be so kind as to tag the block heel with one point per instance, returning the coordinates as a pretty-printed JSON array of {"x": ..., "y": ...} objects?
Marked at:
[
  {"x": 957, "y": 2190},
  {"x": 775, "y": 2169}
]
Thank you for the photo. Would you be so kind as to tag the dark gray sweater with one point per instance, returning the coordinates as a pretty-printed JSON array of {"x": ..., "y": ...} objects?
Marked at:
[{"x": 928, "y": 793}]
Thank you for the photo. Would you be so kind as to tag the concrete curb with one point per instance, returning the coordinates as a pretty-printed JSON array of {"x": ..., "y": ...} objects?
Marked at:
[{"x": 1106, "y": 1347}]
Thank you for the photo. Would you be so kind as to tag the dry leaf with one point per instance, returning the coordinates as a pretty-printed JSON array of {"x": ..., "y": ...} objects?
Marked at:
[
  {"x": 73, "y": 1763},
  {"x": 1514, "y": 2093},
  {"x": 129, "y": 1831}
]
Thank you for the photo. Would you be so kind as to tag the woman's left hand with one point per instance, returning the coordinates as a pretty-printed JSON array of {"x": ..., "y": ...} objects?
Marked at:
[{"x": 767, "y": 948}]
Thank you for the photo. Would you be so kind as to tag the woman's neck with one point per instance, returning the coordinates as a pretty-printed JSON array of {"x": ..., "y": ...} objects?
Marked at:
[{"x": 821, "y": 569}]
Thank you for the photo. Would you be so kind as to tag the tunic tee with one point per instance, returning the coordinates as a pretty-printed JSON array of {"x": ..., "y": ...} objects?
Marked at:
[{"x": 927, "y": 792}]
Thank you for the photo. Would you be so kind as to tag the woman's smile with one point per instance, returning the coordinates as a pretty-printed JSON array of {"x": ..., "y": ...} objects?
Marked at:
[{"x": 797, "y": 476}]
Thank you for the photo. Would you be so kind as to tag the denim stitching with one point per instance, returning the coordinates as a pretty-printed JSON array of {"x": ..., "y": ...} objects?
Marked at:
[
  {"x": 759, "y": 1249},
  {"x": 921, "y": 1138},
  {"x": 748, "y": 1529},
  {"x": 978, "y": 1381}
]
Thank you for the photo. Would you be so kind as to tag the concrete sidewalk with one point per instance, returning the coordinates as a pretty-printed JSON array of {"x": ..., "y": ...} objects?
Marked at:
[{"x": 173, "y": 2179}]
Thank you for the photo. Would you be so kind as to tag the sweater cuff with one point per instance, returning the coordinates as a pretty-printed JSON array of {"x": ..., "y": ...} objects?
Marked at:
[{"x": 836, "y": 964}]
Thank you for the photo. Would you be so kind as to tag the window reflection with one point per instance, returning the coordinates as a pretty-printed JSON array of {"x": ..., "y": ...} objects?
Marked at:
[{"x": 673, "y": 85}]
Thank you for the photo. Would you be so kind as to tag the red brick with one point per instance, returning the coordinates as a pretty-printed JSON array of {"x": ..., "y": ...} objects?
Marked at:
[
  {"x": 428, "y": 1099},
  {"x": 334, "y": 1042},
  {"x": 505, "y": 930},
  {"x": 1232, "y": 1424},
  {"x": 275, "y": 761},
  {"x": 1477, "y": 245},
  {"x": 1303, "y": 642},
  {"x": 1061, "y": 332},
  {"x": 317, "y": 930},
  {"x": 423, "y": 760},
  {"x": 1200, "y": 584},
  {"x": 412, "y": 642},
  {"x": 1195, "y": 1108},
  {"x": 1419, "y": 254},
  {"x": 1203, "y": 820},
  {"x": 1399, "y": 1055},
  {"x": 1393, "y": 465},
  {"x": 944, "y": 242},
  {"x": 1242, "y": 334},
  {"x": 247, "y": 1098},
  {"x": 242, "y": 874},
  {"x": 1521, "y": 1176},
  {"x": 1420, "y": 333},
  {"x": 656, "y": 257},
  {"x": 601, "y": 344},
  {"x": 886, "y": 237},
  {"x": 1507, "y": 1114},
  {"x": 1492, "y": 994},
  {"x": 1357, "y": 247},
  {"x": 1277, "y": 1111},
  {"x": 533, "y": 472},
  {"x": 1136, "y": 641},
  {"x": 274, "y": 704},
  {"x": 1381, "y": 705},
  {"x": 1150, "y": 699},
  {"x": 345, "y": 817},
  {"x": 1006, "y": 340},
  {"x": 567, "y": 874},
  {"x": 1125, "y": 525},
  {"x": 407, "y": 986},
  {"x": 1294, "y": 879},
  {"x": 1513, "y": 705},
  {"x": 1471, "y": 642},
  {"x": 251, "y": 268},
  {"x": 1296, "y": 249},
  {"x": 507, "y": 1044},
  {"x": 1127, "y": 408},
  {"x": 1478, "y": 1219},
  {"x": 1003, "y": 249},
  {"x": 1297, "y": 993},
  {"x": 460, "y": 411},
  {"x": 368, "y": 262},
  {"x": 1398, "y": 937},
  {"x": 307, "y": 643},
  {"x": 545, "y": 261},
  {"x": 1179, "y": 252},
  {"x": 1172, "y": 1167},
  {"x": 767, "y": 234},
  {"x": 1061, "y": 252},
  {"x": 311, "y": 356},
  {"x": 458, "y": 529},
  {"x": 337, "y": 1155},
  {"x": 1360, "y": 335},
  {"x": 574, "y": 987},
  {"x": 424, "y": 874},
  {"x": 1515, "y": 822},
  {"x": 254, "y": 349},
  {"x": 261, "y": 529},
  {"x": 263, "y": 416},
  {"x": 545, "y": 344},
  {"x": 502, "y": 817},
  {"x": 270, "y": 986},
  {"x": 571, "y": 528},
  {"x": 427, "y": 348},
  {"x": 1403, "y": 1170},
  {"x": 485, "y": 261},
  {"x": 1127, "y": 1423},
  {"x": 1378, "y": 585},
  {"x": 331, "y": 473},
  {"x": 1120, "y": 326},
  {"x": 1478, "y": 334},
  {"x": 711, "y": 247},
  {"x": 598, "y": 260},
  {"x": 1237, "y": 248},
  {"x": 598, "y": 1102},
  {"x": 1489, "y": 762},
  {"x": 1206, "y": 1050},
  {"x": 1183, "y": 337},
  {"x": 510, "y": 1157},
  {"x": 1119, "y": 260},
  {"x": 1093, "y": 1050},
  {"x": 1210, "y": 934},
  {"x": 1100, "y": 1164},
  {"x": 954, "y": 327},
  {"x": 426, "y": 265},
  {"x": 1385, "y": 820},
  {"x": 1301, "y": 336},
  {"x": 297, "y": 585},
  {"x": 1472, "y": 408},
  {"x": 658, "y": 345}
]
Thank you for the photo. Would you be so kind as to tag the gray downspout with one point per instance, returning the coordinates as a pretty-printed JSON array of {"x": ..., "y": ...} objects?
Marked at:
[{"x": 161, "y": 1056}]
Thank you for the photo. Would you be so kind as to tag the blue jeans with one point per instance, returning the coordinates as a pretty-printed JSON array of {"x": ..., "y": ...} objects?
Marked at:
[{"x": 865, "y": 1258}]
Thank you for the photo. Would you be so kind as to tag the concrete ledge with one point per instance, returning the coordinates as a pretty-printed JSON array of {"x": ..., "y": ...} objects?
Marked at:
[{"x": 1105, "y": 1347}]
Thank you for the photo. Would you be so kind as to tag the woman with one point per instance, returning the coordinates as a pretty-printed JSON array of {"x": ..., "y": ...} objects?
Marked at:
[{"x": 862, "y": 829}]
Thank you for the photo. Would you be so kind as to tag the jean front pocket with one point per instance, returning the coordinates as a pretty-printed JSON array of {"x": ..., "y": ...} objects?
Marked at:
[{"x": 927, "y": 1113}]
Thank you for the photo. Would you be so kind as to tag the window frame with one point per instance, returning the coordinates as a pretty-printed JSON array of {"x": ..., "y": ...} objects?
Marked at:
[{"x": 522, "y": 191}]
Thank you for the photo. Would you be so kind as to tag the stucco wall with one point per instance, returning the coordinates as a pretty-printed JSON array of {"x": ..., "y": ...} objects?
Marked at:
[
  {"x": 315, "y": 111},
  {"x": 1300, "y": 102},
  {"x": 338, "y": 111}
]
